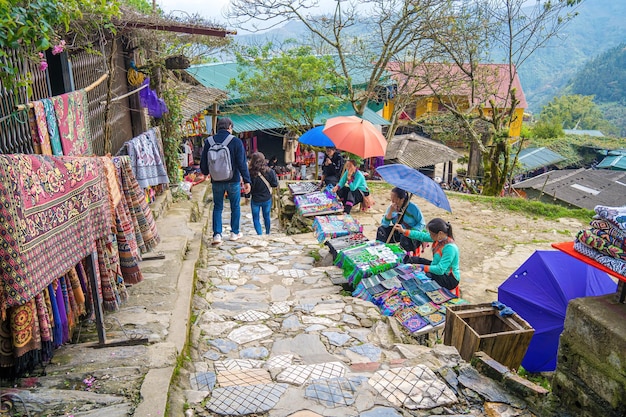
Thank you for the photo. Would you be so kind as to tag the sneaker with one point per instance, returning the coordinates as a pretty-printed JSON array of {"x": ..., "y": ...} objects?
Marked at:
[
  {"x": 236, "y": 236},
  {"x": 217, "y": 239}
]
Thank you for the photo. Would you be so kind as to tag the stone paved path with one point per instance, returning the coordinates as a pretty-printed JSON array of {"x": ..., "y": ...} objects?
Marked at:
[{"x": 271, "y": 335}]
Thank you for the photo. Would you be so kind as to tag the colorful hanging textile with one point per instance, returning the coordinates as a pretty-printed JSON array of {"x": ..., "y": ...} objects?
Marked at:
[
  {"x": 71, "y": 112},
  {"x": 143, "y": 221},
  {"x": 127, "y": 245},
  {"x": 48, "y": 205},
  {"x": 146, "y": 160},
  {"x": 40, "y": 135},
  {"x": 53, "y": 127}
]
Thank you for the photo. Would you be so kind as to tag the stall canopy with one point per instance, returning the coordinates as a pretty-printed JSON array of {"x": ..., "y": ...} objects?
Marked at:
[{"x": 539, "y": 291}]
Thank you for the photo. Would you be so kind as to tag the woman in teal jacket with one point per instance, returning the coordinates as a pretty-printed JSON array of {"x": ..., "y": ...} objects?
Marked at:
[
  {"x": 352, "y": 186},
  {"x": 412, "y": 219},
  {"x": 444, "y": 267}
]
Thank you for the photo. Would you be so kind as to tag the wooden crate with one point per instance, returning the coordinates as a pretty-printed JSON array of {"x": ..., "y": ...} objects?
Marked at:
[{"x": 478, "y": 327}]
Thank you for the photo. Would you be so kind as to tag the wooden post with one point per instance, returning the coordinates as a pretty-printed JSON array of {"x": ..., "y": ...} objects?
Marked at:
[{"x": 97, "y": 302}]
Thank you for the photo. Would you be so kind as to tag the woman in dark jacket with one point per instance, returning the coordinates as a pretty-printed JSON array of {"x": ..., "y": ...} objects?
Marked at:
[{"x": 263, "y": 180}]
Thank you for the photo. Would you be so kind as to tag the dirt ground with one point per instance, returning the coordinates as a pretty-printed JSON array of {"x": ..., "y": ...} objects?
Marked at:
[{"x": 493, "y": 244}]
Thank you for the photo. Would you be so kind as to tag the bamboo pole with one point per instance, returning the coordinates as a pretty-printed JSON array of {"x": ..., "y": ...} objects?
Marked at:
[{"x": 90, "y": 87}]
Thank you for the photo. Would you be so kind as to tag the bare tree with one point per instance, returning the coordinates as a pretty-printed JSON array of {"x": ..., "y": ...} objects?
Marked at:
[
  {"x": 392, "y": 27},
  {"x": 504, "y": 31}
]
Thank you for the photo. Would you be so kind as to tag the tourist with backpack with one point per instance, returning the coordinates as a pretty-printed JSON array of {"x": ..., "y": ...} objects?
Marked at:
[
  {"x": 224, "y": 159},
  {"x": 263, "y": 180}
]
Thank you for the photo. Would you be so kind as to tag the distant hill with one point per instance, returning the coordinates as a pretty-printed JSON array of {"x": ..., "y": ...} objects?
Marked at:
[
  {"x": 604, "y": 77},
  {"x": 599, "y": 26}
]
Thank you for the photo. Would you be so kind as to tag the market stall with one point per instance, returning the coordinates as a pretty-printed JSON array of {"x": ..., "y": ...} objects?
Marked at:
[{"x": 318, "y": 203}]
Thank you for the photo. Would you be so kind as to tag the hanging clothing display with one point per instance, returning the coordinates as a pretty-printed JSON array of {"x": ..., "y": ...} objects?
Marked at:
[
  {"x": 146, "y": 157},
  {"x": 49, "y": 205},
  {"x": 53, "y": 127},
  {"x": 289, "y": 146},
  {"x": 39, "y": 129},
  {"x": 70, "y": 110},
  {"x": 144, "y": 225}
]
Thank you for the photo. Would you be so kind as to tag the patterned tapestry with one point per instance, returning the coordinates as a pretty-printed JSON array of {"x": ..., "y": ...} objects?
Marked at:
[
  {"x": 71, "y": 111},
  {"x": 52, "y": 210}
]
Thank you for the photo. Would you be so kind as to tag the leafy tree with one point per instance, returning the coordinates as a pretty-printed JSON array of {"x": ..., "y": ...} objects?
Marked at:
[
  {"x": 32, "y": 26},
  {"x": 293, "y": 85},
  {"x": 392, "y": 27},
  {"x": 547, "y": 129},
  {"x": 575, "y": 112},
  {"x": 515, "y": 30}
]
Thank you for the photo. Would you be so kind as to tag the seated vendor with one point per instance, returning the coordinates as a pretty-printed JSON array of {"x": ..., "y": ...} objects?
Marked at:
[
  {"x": 444, "y": 267},
  {"x": 352, "y": 187},
  {"x": 411, "y": 220}
]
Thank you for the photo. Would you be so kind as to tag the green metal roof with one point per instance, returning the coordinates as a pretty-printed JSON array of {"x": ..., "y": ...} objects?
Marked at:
[
  {"x": 249, "y": 122},
  {"x": 614, "y": 162},
  {"x": 533, "y": 158},
  {"x": 218, "y": 75}
]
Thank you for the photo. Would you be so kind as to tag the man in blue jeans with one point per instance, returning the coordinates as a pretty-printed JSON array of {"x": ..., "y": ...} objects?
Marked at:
[{"x": 232, "y": 187}]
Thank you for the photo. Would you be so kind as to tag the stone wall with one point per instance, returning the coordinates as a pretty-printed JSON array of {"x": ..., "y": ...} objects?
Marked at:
[{"x": 590, "y": 379}]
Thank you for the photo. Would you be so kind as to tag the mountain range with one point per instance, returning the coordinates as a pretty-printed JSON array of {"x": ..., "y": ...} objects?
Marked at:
[{"x": 599, "y": 26}]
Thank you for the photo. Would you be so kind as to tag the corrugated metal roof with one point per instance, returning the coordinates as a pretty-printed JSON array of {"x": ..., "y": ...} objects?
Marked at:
[
  {"x": 218, "y": 75},
  {"x": 584, "y": 188},
  {"x": 614, "y": 162},
  {"x": 248, "y": 122},
  {"x": 533, "y": 158},
  {"x": 417, "y": 151}
]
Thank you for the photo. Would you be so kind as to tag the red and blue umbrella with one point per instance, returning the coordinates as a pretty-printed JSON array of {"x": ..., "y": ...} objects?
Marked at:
[
  {"x": 315, "y": 137},
  {"x": 414, "y": 182}
]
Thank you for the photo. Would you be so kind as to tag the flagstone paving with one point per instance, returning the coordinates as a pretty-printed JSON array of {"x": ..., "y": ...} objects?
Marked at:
[{"x": 275, "y": 336}]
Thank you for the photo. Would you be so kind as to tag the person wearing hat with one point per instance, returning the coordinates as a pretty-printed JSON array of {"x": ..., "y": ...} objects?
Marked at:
[{"x": 331, "y": 168}]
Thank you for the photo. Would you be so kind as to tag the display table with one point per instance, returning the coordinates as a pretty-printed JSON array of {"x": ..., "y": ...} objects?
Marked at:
[
  {"x": 406, "y": 293},
  {"x": 303, "y": 187},
  {"x": 344, "y": 242},
  {"x": 332, "y": 226},
  {"x": 568, "y": 247},
  {"x": 318, "y": 203},
  {"x": 368, "y": 259}
]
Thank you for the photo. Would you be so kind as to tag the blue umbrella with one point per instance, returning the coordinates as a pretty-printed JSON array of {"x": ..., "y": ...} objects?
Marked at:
[
  {"x": 315, "y": 137},
  {"x": 413, "y": 181}
]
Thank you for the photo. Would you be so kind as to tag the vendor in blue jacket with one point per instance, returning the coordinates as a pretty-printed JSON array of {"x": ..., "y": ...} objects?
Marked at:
[
  {"x": 444, "y": 267},
  {"x": 352, "y": 186},
  {"x": 411, "y": 220}
]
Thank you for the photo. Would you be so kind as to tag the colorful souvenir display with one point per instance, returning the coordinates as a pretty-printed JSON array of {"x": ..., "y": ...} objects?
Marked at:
[
  {"x": 340, "y": 243},
  {"x": 368, "y": 259},
  {"x": 321, "y": 202},
  {"x": 328, "y": 227},
  {"x": 298, "y": 188},
  {"x": 407, "y": 294}
]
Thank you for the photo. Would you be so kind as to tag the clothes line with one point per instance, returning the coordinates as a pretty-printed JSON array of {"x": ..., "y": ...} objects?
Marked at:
[
  {"x": 90, "y": 87},
  {"x": 130, "y": 93}
]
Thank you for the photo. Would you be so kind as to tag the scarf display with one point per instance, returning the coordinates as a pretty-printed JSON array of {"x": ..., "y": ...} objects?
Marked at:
[
  {"x": 39, "y": 129},
  {"x": 50, "y": 205},
  {"x": 147, "y": 159},
  {"x": 70, "y": 110},
  {"x": 128, "y": 250},
  {"x": 146, "y": 233},
  {"x": 605, "y": 241},
  {"x": 53, "y": 127}
]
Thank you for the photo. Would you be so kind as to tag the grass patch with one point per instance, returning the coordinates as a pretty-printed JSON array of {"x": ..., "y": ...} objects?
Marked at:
[
  {"x": 315, "y": 254},
  {"x": 534, "y": 209},
  {"x": 538, "y": 379}
]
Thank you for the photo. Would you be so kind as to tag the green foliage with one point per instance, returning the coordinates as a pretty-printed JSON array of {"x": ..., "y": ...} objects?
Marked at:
[
  {"x": 170, "y": 125},
  {"x": 143, "y": 6},
  {"x": 575, "y": 112},
  {"x": 535, "y": 378},
  {"x": 32, "y": 26},
  {"x": 604, "y": 77},
  {"x": 578, "y": 151},
  {"x": 529, "y": 208},
  {"x": 547, "y": 129},
  {"x": 293, "y": 85}
]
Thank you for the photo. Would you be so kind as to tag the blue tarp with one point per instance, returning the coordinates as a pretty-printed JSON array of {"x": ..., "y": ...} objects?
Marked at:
[{"x": 539, "y": 292}]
